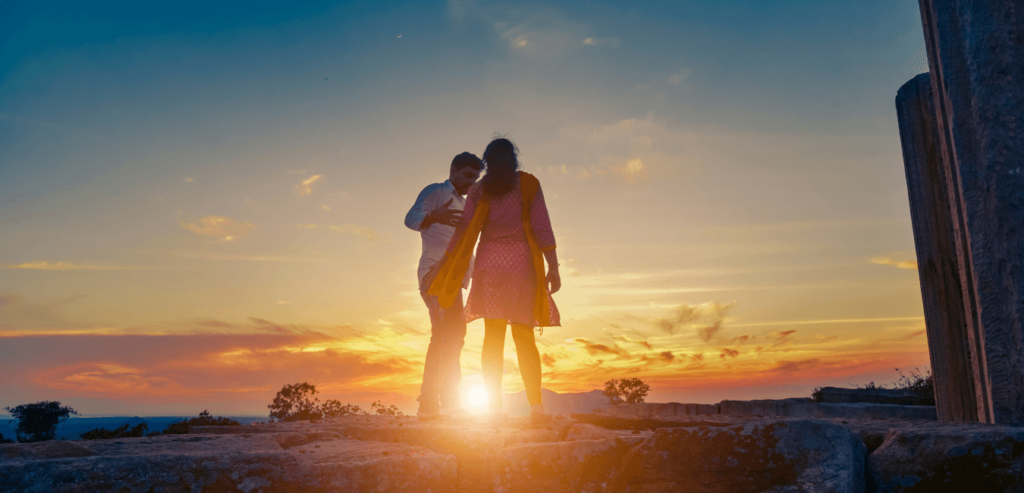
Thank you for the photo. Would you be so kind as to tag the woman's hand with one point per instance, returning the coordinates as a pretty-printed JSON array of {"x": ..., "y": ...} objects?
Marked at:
[{"x": 554, "y": 280}]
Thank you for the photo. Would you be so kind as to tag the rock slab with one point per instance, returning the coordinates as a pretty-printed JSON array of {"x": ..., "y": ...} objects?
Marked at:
[
  {"x": 282, "y": 462},
  {"x": 989, "y": 459},
  {"x": 779, "y": 456}
]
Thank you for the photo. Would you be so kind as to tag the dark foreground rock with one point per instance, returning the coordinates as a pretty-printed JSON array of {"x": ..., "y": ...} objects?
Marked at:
[
  {"x": 587, "y": 453},
  {"x": 788, "y": 408},
  {"x": 266, "y": 462},
  {"x": 939, "y": 459},
  {"x": 778, "y": 456}
]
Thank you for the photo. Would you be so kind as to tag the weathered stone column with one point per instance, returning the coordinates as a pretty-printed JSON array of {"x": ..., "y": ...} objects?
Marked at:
[
  {"x": 976, "y": 60},
  {"x": 938, "y": 262}
]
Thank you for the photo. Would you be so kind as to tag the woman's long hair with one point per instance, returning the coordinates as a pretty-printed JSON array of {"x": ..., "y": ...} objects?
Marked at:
[{"x": 502, "y": 164}]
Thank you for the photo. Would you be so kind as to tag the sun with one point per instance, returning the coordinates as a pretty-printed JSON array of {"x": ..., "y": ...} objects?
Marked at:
[{"x": 475, "y": 398}]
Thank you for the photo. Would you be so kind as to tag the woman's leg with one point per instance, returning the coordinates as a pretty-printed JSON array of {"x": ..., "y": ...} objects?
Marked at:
[
  {"x": 493, "y": 359},
  {"x": 529, "y": 361}
]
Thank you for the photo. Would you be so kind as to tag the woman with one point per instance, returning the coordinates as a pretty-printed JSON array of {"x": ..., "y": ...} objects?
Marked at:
[{"x": 506, "y": 210}]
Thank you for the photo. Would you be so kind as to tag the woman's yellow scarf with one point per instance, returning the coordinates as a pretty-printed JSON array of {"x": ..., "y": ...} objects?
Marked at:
[{"x": 448, "y": 282}]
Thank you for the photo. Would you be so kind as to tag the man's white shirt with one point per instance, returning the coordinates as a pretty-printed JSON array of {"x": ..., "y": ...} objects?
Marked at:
[{"x": 436, "y": 236}]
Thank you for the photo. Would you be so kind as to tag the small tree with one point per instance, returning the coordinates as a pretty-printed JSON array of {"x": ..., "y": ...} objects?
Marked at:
[
  {"x": 38, "y": 422},
  {"x": 633, "y": 390},
  {"x": 612, "y": 392},
  {"x": 630, "y": 390},
  {"x": 295, "y": 402},
  {"x": 5, "y": 440}
]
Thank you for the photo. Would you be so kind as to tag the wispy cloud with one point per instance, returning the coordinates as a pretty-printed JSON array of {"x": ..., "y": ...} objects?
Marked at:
[
  {"x": 306, "y": 187},
  {"x": 630, "y": 150},
  {"x": 705, "y": 318},
  {"x": 634, "y": 341},
  {"x": 591, "y": 41},
  {"x": 60, "y": 265},
  {"x": 678, "y": 76},
  {"x": 352, "y": 229},
  {"x": 901, "y": 264},
  {"x": 219, "y": 227},
  {"x": 596, "y": 349},
  {"x": 828, "y": 321},
  {"x": 7, "y": 300}
]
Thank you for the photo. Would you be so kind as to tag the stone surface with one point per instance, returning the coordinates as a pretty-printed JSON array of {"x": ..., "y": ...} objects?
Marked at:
[
  {"x": 938, "y": 259},
  {"x": 930, "y": 459},
  {"x": 974, "y": 56},
  {"x": 259, "y": 462},
  {"x": 591, "y": 452},
  {"x": 777, "y": 456},
  {"x": 837, "y": 395},
  {"x": 806, "y": 409},
  {"x": 585, "y": 465},
  {"x": 796, "y": 408},
  {"x": 666, "y": 409}
]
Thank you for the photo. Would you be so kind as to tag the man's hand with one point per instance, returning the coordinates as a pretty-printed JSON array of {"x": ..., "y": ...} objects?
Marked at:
[
  {"x": 444, "y": 215},
  {"x": 554, "y": 280},
  {"x": 428, "y": 278}
]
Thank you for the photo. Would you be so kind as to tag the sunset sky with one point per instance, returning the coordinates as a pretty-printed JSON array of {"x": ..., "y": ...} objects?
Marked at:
[{"x": 201, "y": 202}]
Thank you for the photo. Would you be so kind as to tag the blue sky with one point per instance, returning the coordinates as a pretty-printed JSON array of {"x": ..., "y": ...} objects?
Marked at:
[{"x": 197, "y": 168}]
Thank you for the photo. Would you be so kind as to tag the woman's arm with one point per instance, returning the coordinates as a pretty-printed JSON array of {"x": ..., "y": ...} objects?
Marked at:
[{"x": 554, "y": 278}]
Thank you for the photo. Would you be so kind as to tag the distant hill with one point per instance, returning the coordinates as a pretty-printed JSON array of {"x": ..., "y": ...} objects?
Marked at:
[
  {"x": 73, "y": 428},
  {"x": 556, "y": 403}
]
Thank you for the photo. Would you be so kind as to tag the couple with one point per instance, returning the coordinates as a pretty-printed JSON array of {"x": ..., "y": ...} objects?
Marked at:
[{"x": 506, "y": 211}]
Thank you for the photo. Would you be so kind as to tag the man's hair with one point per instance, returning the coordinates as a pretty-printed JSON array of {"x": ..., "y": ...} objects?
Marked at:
[{"x": 467, "y": 159}]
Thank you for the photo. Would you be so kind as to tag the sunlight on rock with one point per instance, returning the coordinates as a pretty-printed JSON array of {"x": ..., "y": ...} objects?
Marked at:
[{"x": 475, "y": 398}]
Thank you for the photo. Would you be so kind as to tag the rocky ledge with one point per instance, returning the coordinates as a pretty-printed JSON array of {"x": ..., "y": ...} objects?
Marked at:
[{"x": 587, "y": 453}]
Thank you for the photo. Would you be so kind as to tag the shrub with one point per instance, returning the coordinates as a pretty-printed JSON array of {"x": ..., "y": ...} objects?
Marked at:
[
  {"x": 630, "y": 390},
  {"x": 177, "y": 428},
  {"x": 817, "y": 395},
  {"x": 920, "y": 384},
  {"x": 5, "y": 440},
  {"x": 38, "y": 422},
  {"x": 379, "y": 408},
  {"x": 119, "y": 432},
  {"x": 295, "y": 402},
  {"x": 333, "y": 408},
  {"x": 205, "y": 419}
]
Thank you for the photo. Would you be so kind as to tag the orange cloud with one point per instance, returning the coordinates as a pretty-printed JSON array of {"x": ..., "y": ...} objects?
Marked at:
[
  {"x": 904, "y": 264},
  {"x": 706, "y": 318},
  {"x": 60, "y": 265},
  {"x": 220, "y": 227},
  {"x": 166, "y": 368}
]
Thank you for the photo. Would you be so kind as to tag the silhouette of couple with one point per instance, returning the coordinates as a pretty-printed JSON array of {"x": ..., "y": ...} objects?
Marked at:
[{"x": 506, "y": 212}]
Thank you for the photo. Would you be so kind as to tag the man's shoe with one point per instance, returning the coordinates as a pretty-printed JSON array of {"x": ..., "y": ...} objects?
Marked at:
[
  {"x": 496, "y": 418},
  {"x": 539, "y": 420},
  {"x": 429, "y": 409},
  {"x": 454, "y": 412}
]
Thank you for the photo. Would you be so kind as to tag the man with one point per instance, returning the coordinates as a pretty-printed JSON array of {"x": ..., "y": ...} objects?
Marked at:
[{"x": 436, "y": 212}]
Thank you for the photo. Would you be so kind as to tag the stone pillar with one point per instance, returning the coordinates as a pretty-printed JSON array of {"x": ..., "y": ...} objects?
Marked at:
[
  {"x": 976, "y": 61},
  {"x": 938, "y": 262}
]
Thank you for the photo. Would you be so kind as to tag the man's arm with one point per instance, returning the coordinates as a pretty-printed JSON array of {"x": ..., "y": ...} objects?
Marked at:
[{"x": 417, "y": 217}]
